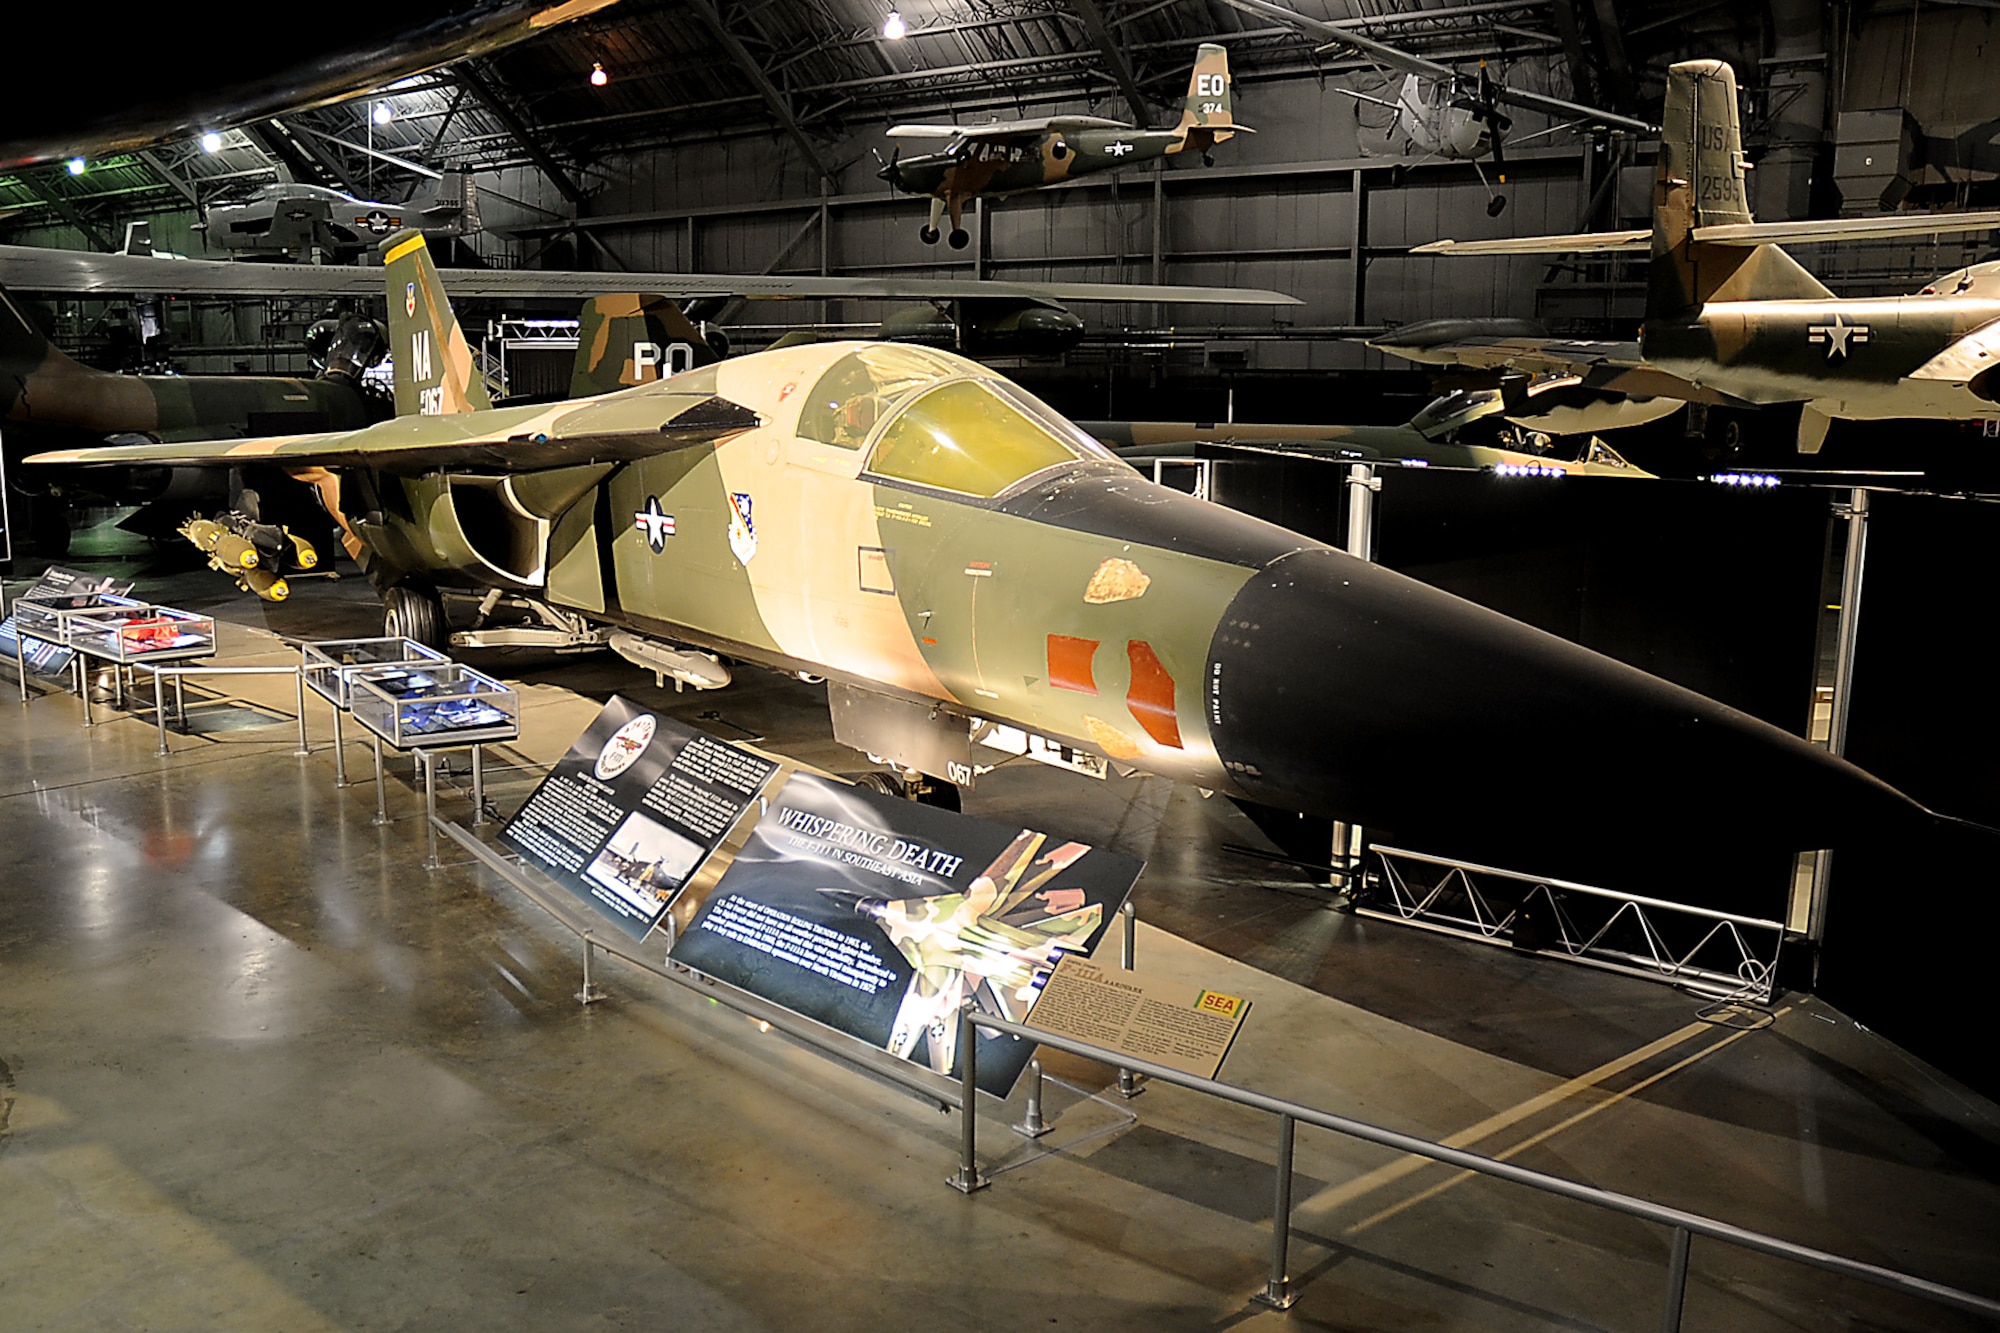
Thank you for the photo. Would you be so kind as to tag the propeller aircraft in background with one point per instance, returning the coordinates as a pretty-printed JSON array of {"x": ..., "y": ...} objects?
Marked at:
[
  {"x": 1445, "y": 112},
  {"x": 1012, "y": 157}
]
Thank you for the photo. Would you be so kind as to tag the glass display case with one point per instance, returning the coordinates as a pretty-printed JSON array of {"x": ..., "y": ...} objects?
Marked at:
[
  {"x": 125, "y": 631},
  {"x": 414, "y": 705},
  {"x": 332, "y": 664},
  {"x": 48, "y": 620}
]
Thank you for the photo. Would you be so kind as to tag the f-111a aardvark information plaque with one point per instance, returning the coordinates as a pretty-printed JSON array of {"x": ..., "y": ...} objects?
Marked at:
[
  {"x": 882, "y": 917},
  {"x": 633, "y": 810}
]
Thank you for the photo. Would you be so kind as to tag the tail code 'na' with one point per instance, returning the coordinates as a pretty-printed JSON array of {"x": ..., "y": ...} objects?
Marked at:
[{"x": 435, "y": 374}]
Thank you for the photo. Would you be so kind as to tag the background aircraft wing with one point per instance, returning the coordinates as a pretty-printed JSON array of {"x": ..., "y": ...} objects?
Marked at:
[
  {"x": 1006, "y": 129},
  {"x": 1607, "y": 366},
  {"x": 1575, "y": 243},
  {"x": 80, "y": 273},
  {"x": 518, "y": 439}
]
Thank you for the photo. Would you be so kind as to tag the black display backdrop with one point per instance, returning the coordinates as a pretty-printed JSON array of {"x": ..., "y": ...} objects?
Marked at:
[
  {"x": 627, "y": 817},
  {"x": 1909, "y": 929},
  {"x": 1712, "y": 588}
]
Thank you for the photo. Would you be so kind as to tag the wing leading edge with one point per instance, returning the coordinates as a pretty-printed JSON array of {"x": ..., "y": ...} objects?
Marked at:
[{"x": 524, "y": 439}]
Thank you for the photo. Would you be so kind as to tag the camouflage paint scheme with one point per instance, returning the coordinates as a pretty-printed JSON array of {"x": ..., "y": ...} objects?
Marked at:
[
  {"x": 908, "y": 524},
  {"x": 994, "y": 161},
  {"x": 1731, "y": 317}
]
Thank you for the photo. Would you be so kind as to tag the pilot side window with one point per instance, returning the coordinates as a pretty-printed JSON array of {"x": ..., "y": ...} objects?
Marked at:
[
  {"x": 965, "y": 437},
  {"x": 857, "y": 392}
]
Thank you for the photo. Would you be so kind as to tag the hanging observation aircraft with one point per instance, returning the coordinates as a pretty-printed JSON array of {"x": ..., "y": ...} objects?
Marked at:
[
  {"x": 1012, "y": 157},
  {"x": 1730, "y": 314},
  {"x": 958, "y": 561},
  {"x": 305, "y": 223},
  {"x": 1440, "y": 109}
]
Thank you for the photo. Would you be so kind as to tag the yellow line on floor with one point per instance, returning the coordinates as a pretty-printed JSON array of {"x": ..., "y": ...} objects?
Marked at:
[
  {"x": 1560, "y": 1126},
  {"x": 1338, "y": 1196}
]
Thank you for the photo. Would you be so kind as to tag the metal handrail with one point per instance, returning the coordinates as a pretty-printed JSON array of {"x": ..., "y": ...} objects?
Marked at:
[
  {"x": 1684, "y": 1224},
  {"x": 1278, "y": 1291}
]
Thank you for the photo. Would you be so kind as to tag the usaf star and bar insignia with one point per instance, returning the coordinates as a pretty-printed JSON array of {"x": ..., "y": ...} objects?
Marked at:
[
  {"x": 1837, "y": 335},
  {"x": 657, "y": 524}
]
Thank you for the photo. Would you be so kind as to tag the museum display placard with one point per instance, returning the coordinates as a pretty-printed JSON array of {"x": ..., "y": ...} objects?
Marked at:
[
  {"x": 58, "y": 590},
  {"x": 881, "y": 918},
  {"x": 1178, "y": 1024},
  {"x": 628, "y": 816}
]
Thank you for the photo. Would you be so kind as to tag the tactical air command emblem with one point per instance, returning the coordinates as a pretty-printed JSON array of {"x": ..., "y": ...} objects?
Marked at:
[
  {"x": 742, "y": 533},
  {"x": 410, "y": 299},
  {"x": 656, "y": 523}
]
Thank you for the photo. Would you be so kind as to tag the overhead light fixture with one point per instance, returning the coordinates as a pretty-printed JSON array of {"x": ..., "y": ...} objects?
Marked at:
[
  {"x": 598, "y": 78},
  {"x": 383, "y": 114},
  {"x": 76, "y": 165},
  {"x": 211, "y": 142},
  {"x": 894, "y": 28}
]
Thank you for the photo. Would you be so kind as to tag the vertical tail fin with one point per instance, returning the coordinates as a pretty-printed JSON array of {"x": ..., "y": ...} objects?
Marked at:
[
  {"x": 1701, "y": 183},
  {"x": 633, "y": 338},
  {"x": 435, "y": 375},
  {"x": 1206, "y": 119}
]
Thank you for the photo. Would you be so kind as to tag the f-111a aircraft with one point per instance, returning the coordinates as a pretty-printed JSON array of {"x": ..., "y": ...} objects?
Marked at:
[
  {"x": 1732, "y": 319},
  {"x": 954, "y": 557}
]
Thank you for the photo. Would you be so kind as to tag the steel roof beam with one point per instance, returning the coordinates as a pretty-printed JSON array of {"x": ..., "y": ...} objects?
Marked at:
[
  {"x": 476, "y": 83},
  {"x": 169, "y": 175},
  {"x": 775, "y": 100},
  {"x": 1114, "y": 57}
]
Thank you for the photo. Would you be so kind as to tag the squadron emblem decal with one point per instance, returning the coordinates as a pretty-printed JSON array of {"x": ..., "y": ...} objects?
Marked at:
[
  {"x": 626, "y": 744},
  {"x": 742, "y": 533},
  {"x": 656, "y": 523},
  {"x": 410, "y": 298},
  {"x": 1836, "y": 336}
]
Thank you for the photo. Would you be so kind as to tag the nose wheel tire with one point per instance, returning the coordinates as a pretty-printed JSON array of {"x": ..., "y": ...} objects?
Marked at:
[{"x": 960, "y": 238}]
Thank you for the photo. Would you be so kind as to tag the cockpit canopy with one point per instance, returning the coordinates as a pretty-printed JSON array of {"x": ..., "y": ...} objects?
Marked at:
[{"x": 940, "y": 421}]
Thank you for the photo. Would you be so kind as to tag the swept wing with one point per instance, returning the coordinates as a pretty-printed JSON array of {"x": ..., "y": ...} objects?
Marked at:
[
  {"x": 77, "y": 273},
  {"x": 634, "y": 424}
]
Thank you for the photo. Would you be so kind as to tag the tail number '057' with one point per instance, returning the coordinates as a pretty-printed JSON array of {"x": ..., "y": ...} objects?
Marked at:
[{"x": 430, "y": 399}]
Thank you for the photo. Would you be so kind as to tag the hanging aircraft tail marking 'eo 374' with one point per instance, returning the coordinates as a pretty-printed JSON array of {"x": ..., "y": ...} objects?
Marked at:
[
  {"x": 1731, "y": 317},
  {"x": 968, "y": 569},
  {"x": 1011, "y": 157}
]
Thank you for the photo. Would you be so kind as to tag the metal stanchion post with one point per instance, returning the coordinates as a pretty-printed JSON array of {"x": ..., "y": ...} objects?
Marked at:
[
  {"x": 381, "y": 787},
  {"x": 967, "y": 1178},
  {"x": 1677, "y": 1279},
  {"x": 478, "y": 785},
  {"x": 1032, "y": 1125},
  {"x": 160, "y": 713},
  {"x": 83, "y": 690},
  {"x": 590, "y": 994},
  {"x": 429, "y": 761},
  {"x": 305, "y": 746},
  {"x": 339, "y": 750},
  {"x": 180, "y": 701},
  {"x": 1128, "y": 1082},
  {"x": 1278, "y": 1293},
  {"x": 21, "y": 657}
]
